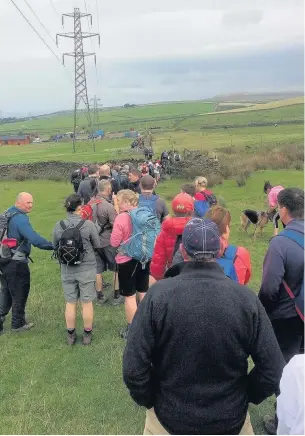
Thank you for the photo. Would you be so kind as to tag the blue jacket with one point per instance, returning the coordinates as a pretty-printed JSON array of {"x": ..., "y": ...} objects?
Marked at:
[
  {"x": 20, "y": 228},
  {"x": 284, "y": 260}
]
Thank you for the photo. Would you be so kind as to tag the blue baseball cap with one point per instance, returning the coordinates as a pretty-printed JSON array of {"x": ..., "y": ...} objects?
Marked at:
[{"x": 201, "y": 239}]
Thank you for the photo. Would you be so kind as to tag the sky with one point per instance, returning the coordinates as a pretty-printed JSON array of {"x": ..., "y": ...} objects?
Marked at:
[{"x": 160, "y": 50}]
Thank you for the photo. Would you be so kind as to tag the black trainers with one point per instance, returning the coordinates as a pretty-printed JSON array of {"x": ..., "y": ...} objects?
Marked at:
[
  {"x": 24, "y": 328},
  {"x": 270, "y": 424},
  {"x": 71, "y": 338},
  {"x": 118, "y": 300},
  {"x": 124, "y": 332}
]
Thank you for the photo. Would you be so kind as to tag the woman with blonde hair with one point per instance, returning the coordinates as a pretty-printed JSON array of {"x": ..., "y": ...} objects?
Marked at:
[
  {"x": 133, "y": 278},
  {"x": 204, "y": 198},
  {"x": 241, "y": 261}
]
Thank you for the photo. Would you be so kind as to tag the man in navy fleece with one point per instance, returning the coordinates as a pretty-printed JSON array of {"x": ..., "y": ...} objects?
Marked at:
[{"x": 16, "y": 273}]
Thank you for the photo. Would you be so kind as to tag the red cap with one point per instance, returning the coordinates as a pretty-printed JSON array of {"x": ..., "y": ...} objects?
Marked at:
[{"x": 183, "y": 203}]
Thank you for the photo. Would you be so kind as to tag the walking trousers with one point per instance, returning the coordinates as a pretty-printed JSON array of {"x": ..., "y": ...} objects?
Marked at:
[
  {"x": 289, "y": 333},
  {"x": 154, "y": 427},
  {"x": 14, "y": 293}
]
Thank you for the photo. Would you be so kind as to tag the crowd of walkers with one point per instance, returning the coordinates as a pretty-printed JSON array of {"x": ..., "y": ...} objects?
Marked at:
[{"x": 191, "y": 321}]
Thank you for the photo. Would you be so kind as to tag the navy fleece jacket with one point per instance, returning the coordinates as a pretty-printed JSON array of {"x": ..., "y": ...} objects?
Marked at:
[{"x": 284, "y": 260}]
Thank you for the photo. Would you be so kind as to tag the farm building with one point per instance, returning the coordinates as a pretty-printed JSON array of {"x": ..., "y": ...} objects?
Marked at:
[{"x": 14, "y": 140}]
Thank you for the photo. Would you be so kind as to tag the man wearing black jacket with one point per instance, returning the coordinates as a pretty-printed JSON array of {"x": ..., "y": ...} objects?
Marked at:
[
  {"x": 133, "y": 182},
  {"x": 186, "y": 358}
]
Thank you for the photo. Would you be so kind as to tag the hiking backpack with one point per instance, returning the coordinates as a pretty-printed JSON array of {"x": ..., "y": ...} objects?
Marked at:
[
  {"x": 70, "y": 250},
  {"x": 227, "y": 262},
  {"x": 298, "y": 300},
  {"x": 202, "y": 206},
  {"x": 6, "y": 244},
  {"x": 150, "y": 202},
  {"x": 145, "y": 229},
  {"x": 87, "y": 209},
  {"x": 84, "y": 172}
]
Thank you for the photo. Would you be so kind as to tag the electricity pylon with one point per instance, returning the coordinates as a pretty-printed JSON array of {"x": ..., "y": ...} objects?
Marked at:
[
  {"x": 81, "y": 93},
  {"x": 96, "y": 111}
]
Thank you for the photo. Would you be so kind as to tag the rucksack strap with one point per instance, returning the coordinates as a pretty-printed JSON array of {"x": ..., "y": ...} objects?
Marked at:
[
  {"x": 230, "y": 252},
  {"x": 293, "y": 297},
  {"x": 63, "y": 225},
  {"x": 294, "y": 235},
  {"x": 177, "y": 244},
  {"x": 95, "y": 201},
  {"x": 78, "y": 227}
]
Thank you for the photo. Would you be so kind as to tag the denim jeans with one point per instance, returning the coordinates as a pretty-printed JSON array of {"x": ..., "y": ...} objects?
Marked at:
[{"x": 15, "y": 281}]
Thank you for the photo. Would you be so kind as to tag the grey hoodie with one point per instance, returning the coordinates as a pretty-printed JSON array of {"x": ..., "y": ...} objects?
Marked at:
[
  {"x": 284, "y": 260},
  {"x": 90, "y": 239}
]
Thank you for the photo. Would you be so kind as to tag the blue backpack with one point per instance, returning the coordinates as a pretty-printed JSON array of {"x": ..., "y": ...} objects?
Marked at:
[
  {"x": 298, "y": 300},
  {"x": 202, "y": 206},
  {"x": 150, "y": 202},
  {"x": 227, "y": 262},
  {"x": 145, "y": 229}
]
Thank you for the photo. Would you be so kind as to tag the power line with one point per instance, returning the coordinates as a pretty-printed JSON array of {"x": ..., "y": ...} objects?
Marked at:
[
  {"x": 88, "y": 20},
  {"x": 40, "y": 37},
  {"x": 42, "y": 25},
  {"x": 53, "y": 6}
]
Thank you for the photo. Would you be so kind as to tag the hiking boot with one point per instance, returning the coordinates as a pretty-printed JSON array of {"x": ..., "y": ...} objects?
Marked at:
[
  {"x": 124, "y": 332},
  {"x": 117, "y": 300},
  {"x": 71, "y": 338},
  {"x": 101, "y": 299},
  {"x": 25, "y": 327},
  {"x": 270, "y": 424},
  {"x": 87, "y": 338}
]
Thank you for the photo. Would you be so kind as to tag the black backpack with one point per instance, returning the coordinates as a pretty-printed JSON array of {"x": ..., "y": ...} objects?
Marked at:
[{"x": 70, "y": 250}]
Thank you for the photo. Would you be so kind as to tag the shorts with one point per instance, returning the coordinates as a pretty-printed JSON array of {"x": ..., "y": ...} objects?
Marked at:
[
  {"x": 276, "y": 219},
  {"x": 133, "y": 278},
  {"x": 105, "y": 259},
  {"x": 79, "y": 285}
]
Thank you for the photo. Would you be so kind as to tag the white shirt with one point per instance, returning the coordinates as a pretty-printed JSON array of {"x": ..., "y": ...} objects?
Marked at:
[{"x": 290, "y": 403}]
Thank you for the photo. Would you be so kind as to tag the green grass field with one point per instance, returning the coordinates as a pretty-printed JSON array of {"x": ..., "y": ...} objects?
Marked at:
[
  {"x": 47, "y": 388},
  {"x": 113, "y": 120},
  {"x": 193, "y": 115},
  {"x": 120, "y": 148}
]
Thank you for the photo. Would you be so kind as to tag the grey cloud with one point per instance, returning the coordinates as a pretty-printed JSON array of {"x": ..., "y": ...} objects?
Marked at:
[
  {"x": 242, "y": 18},
  {"x": 153, "y": 50}
]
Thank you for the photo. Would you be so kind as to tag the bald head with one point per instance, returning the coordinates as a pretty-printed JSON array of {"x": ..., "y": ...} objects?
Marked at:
[
  {"x": 105, "y": 170},
  {"x": 24, "y": 202}
]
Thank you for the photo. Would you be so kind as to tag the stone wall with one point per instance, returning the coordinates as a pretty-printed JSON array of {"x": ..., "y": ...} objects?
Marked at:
[
  {"x": 193, "y": 164},
  {"x": 45, "y": 170}
]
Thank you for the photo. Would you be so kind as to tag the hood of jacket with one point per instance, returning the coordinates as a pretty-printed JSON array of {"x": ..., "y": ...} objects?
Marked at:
[
  {"x": 175, "y": 225},
  {"x": 297, "y": 225}
]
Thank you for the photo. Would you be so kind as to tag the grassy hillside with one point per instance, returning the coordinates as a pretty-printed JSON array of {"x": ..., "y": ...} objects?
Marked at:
[
  {"x": 246, "y": 116},
  {"x": 204, "y": 140},
  {"x": 172, "y": 116},
  {"x": 269, "y": 105},
  {"x": 47, "y": 388},
  {"x": 115, "y": 120}
]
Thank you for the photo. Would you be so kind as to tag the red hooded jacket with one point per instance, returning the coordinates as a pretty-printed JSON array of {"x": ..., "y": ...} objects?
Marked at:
[{"x": 165, "y": 244}]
